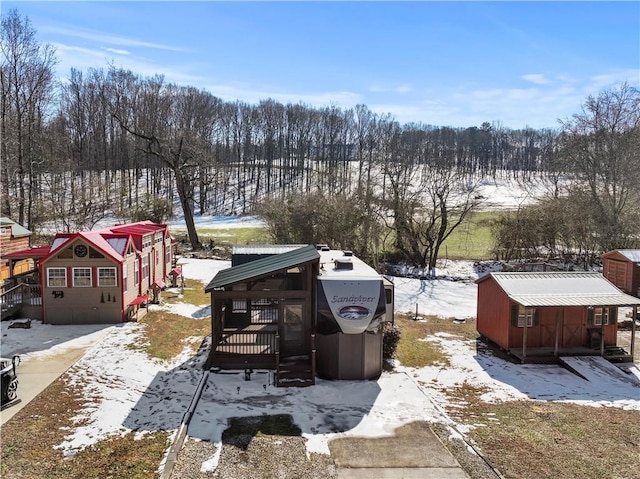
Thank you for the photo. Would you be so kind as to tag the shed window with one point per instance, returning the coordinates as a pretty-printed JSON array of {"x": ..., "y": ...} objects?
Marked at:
[
  {"x": 81, "y": 277},
  {"x": 107, "y": 277},
  {"x": 136, "y": 272},
  {"x": 525, "y": 315},
  {"x": 125, "y": 277},
  {"x": 57, "y": 277},
  {"x": 601, "y": 316}
]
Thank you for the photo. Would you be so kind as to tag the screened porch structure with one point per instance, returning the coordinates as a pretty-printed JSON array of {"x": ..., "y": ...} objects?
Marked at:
[{"x": 263, "y": 316}]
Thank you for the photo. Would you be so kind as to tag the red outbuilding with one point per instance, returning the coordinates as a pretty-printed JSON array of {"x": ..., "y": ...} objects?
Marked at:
[
  {"x": 539, "y": 316},
  {"x": 622, "y": 268}
]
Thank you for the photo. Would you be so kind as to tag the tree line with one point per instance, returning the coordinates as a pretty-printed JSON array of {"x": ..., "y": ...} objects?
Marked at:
[{"x": 111, "y": 142}]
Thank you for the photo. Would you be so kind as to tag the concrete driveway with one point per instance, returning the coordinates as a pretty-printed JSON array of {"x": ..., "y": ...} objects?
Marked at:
[
  {"x": 36, "y": 374},
  {"x": 413, "y": 452}
]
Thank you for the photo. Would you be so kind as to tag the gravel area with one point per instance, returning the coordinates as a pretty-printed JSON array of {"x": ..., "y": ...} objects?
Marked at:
[
  {"x": 284, "y": 457},
  {"x": 250, "y": 457}
]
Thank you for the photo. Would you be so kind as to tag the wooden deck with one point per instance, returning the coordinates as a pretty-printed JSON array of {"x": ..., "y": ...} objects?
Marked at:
[{"x": 548, "y": 355}]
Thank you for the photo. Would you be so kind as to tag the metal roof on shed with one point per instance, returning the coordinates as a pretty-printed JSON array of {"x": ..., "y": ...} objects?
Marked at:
[
  {"x": 631, "y": 254},
  {"x": 561, "y": 289},
  {"x": 259, "y": 249},
  {"x": 264, "y": 266}
]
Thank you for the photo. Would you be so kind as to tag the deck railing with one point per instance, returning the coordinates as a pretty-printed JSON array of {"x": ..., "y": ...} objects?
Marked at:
[{"x": 20, "y": 295}]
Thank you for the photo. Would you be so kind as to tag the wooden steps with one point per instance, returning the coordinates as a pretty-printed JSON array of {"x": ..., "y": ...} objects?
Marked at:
[{"x": 295, "y": 372}]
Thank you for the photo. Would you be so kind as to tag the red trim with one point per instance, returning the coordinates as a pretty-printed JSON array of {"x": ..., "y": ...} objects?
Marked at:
[{"x": 139, "y": 300}]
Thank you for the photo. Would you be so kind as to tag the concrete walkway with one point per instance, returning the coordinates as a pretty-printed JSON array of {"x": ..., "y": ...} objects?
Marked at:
[
  {"x": 36, "y": 374},
  {"x": 414, "y": 452}
]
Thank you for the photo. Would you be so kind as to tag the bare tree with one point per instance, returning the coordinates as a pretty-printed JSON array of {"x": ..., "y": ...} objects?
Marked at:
[
  {"x": 26, "y": 77},
  {"x": 174, "y": 126},
  {"x": 601, "y": 146}
]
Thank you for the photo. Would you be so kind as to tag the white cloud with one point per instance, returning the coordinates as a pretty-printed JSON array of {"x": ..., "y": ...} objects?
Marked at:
[
  {"x": 537, "y": 78},
  {"x": 117, "y": 51},
  {"x": 105, "y": 38},
  {"x": 400, "y": 89}
]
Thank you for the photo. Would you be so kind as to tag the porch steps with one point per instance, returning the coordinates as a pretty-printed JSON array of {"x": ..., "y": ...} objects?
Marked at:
[{"x": 295, "y": 372}]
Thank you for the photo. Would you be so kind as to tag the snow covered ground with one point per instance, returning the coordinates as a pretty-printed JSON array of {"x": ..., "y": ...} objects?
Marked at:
[{"x": 127, "y": 391}]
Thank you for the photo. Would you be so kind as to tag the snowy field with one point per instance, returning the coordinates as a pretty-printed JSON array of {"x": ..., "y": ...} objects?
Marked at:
[{"x": 127, "y": 391}]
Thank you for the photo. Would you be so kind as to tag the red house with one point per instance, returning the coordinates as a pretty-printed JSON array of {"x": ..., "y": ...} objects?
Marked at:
[
  {"x": 622, "y": 268},
  {"x": 538, "y": 316},
  {"x": 105, "y": 275}
]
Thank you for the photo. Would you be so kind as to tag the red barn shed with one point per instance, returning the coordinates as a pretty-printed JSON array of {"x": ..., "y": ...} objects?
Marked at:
[
  {"x": 541, "y": 315},
  {"x": 622, "y": 268}
]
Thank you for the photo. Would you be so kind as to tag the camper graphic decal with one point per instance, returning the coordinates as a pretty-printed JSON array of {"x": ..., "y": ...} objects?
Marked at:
[
  {"x": 349, "y": 306},
  {"x": 353, "y": 312}
]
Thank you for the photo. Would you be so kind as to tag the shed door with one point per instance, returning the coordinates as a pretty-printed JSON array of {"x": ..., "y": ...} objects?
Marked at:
[
  {"x": 294, "y": 328},
  {"x": 618, "y": 273}
]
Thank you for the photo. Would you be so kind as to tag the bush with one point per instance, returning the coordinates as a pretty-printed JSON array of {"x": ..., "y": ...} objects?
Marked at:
[{"x": 390, "y": 340}]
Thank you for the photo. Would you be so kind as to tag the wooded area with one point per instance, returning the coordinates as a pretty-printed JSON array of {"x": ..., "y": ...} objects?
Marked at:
[{"x": 111, "y": 142}]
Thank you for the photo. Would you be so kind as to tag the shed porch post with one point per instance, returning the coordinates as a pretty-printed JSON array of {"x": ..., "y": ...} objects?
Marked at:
[
  {"x": 524, "y": 340},
  {"x": 633, "y": 330},
  {"x": 555, "y": 352}
]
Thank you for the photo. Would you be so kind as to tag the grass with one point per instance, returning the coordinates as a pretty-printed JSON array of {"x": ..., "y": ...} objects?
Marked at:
[
  {"x": 532, "y": 440},
  {"x": 254, "y": 234},
  {"x": 472, "y": 240},
  {"x": 166, "y": 333},
  {"x": 28, "y": 441},
  {"x": 193, "y": 294},
  {"x": 413, "y": 352}
]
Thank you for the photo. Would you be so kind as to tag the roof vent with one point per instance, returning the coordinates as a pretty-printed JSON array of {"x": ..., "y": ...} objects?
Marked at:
[
  {"x": 343, "y": 263},
  {"x": 323, "y": 247},
  {"x": 347, "y": 253}
]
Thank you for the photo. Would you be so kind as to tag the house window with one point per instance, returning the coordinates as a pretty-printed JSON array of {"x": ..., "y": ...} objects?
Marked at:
[
  {"x": 136, "y": 272},
  {"x": 146, "y": 241},
  {"x": 601, "y": 316},
  {"x": 167, "y": 254},
  {"x": 81, "y": 277},
  {"x": 525, "y": 316},
  {"x": 125, "y": 280},
  {"x": 57, "y": 277},
  {"x": 107, "y": 277},
  {"x": 145, "y": 267}
]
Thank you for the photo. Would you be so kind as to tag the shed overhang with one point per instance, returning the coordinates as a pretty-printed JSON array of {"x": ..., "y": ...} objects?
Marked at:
[{"x": 531, "y": 301}]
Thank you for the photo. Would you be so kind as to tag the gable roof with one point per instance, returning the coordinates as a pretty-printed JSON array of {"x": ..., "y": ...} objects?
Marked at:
[
  {"x": 112, "y": 241},
  {"x": 264, "y": 266},
  {"x": 16, "y": 229},
  {"x": 561, "y": 289},
  {"x": 632, "y": 255}
]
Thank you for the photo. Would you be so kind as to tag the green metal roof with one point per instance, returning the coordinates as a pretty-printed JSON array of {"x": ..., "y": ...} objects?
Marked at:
[
  {"x": 16, "y": 229},
  {"x": 264, "y": 266}
]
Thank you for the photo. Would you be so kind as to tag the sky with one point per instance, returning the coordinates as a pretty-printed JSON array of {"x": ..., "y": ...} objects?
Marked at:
[{"x": 453, "y": 63}]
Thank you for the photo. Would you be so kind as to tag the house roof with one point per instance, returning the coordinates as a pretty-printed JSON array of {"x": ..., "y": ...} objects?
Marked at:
[
  {"x": 111, "y": 241},
  {"x": 34, "y": 252},
  {"x": 16, "y": 229},
  {"x": 257, "y": 249},
  {"x": 561, "y": 289},
  {"x": 632, "y": 255},
  {"x": 263, "y": 266}
]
